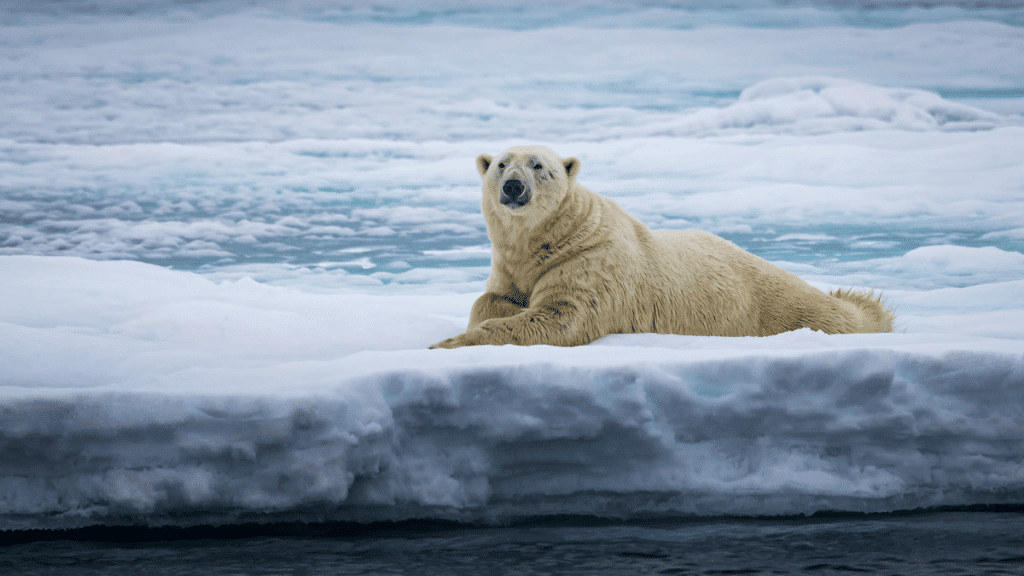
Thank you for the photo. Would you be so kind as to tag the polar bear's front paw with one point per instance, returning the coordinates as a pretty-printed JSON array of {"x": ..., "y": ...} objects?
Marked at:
[
  {"x": 453, "y": 342},
  {"x": 446, "y": 343}
]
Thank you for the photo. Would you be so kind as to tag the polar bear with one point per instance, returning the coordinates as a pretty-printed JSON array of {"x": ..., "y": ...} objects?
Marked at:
[{"x": 570, "y": 266}]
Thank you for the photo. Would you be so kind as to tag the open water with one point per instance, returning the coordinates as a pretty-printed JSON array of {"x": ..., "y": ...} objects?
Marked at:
[
  {"x": 941, "y": 542},
  {"x": 958, "y": 542}
]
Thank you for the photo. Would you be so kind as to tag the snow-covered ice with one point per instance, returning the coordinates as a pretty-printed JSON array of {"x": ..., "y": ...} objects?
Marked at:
[
  {"x": 134, "y": 391},
  {"x": 229, "y": 231}
]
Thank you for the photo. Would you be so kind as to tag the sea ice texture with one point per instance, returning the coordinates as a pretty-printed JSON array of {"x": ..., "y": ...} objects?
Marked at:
[{"x": 229, "y": 231}]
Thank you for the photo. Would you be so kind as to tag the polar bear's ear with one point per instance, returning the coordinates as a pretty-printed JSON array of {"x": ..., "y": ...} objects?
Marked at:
[
  {"x": 572, "y": 166},
  {"x": 483, "y": 162}
]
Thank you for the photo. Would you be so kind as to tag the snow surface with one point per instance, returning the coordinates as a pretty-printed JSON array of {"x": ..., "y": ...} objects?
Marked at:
[{"x": 228, "y": 232}]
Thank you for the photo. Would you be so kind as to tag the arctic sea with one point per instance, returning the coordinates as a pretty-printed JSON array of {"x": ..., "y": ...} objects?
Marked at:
[{"x": 230, "y": 229}]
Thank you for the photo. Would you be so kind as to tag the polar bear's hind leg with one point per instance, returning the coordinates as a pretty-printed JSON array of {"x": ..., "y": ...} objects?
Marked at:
[{"x": 875, "y": 316}]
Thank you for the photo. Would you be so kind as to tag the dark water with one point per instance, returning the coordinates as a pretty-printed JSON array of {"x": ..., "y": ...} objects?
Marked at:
[{"x": 928, "y": 543}]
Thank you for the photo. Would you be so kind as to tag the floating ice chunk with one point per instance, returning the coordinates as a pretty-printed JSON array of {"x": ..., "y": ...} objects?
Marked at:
[
  {"x": 820, "y": 105},
  {"x": 934, "y": 267}
]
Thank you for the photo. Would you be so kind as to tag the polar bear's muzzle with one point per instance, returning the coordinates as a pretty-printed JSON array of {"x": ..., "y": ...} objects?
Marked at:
[{"x": 514, "y": 194}]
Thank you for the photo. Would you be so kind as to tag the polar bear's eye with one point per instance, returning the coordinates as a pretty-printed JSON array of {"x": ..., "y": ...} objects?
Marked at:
[
  {"x": 501, "y": 165},
  {"x": 537, "y": 167}
]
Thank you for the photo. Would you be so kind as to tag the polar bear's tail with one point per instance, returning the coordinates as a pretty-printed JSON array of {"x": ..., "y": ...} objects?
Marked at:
[{"x": 875, "y": 317}]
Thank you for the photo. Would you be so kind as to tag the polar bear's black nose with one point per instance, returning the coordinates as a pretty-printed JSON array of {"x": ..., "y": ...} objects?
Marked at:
[{"x": 512, "y": 189}]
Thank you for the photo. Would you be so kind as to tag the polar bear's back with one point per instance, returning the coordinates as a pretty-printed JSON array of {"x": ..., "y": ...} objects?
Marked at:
[
  {"x": 708, "y": 281},
  {"x": 705, "y": 254},
  {"x": 733, "y": 292},
  {"x": 699, "y": 249}
]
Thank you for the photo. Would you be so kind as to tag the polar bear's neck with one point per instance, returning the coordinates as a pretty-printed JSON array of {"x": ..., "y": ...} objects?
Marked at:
[{"x": 528, "y": 245}]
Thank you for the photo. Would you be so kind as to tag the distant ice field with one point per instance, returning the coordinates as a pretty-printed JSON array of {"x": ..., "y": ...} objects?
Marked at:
[
  {"x": 403, "y": 211},
  {"x": 229, "y": 231},
  {"x": 213, "y": 136}
]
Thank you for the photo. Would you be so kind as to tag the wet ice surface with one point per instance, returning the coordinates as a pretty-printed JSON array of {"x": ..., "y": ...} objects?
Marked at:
[{"x": 229, "y": 232}]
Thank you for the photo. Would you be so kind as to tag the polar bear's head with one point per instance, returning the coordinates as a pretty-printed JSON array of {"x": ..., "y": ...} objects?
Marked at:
[{"x": 525, "y": 181}]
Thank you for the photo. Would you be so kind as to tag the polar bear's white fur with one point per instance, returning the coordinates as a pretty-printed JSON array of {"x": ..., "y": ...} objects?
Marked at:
[{"x": 570, "y": 266}]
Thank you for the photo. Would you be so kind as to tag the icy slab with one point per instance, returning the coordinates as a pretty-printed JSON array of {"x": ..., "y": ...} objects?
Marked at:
[{"x": 132, "y": 393}]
